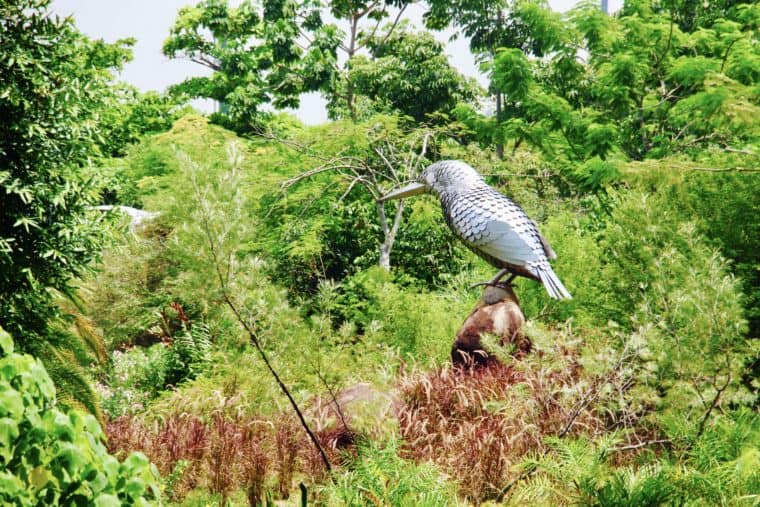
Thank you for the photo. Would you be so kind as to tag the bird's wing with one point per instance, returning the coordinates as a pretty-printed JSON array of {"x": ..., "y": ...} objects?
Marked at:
[
  {"x": 495, "y": 226},
  {"x": 503, "y": 241},
  {"x": 548, "y": 250},
  {"x": 510, "y": 234}
]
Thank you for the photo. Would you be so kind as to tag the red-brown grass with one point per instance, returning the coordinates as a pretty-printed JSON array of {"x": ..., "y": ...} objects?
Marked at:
[
  {"x": 479, "y": 423},
  {"x": 227, "y": 451}
]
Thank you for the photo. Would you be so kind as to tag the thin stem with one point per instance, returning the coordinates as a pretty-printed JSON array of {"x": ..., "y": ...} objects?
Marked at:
[
  {"x": 254, "y": 338},
  {"x": 714, "y": 404}
]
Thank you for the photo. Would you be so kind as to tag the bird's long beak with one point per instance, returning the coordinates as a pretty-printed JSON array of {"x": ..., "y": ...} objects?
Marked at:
[{"x": 409, "y": 190}]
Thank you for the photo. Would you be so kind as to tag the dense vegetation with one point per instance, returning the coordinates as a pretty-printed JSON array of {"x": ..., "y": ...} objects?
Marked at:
[{"x": 274, "y": 333}]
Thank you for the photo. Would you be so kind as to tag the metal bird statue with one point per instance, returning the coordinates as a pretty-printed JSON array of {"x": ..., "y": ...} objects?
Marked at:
[{"x": 489, "y": 224}]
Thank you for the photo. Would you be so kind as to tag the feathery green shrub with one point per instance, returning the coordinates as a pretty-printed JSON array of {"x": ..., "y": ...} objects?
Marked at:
[{"x": 379, "y": 476}]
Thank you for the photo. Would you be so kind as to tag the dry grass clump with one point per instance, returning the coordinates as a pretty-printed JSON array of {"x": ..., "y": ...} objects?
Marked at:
[
  {"x": 227, "y": 451},
  {"x": 477, "y": 424}
]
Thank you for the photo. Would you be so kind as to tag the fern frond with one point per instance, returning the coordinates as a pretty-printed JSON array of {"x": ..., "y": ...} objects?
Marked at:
[{"x": 72, "y": 383}]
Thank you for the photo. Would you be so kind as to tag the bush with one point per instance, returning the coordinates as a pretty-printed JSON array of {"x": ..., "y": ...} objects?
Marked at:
[
  {"x": 135, "y": 377},
  {"x": 421, "y": 325},
  {"x": 721, "y": 468},
  {"x": 379, "y": 476},
  {"x": 52, "y": 457},
  {"x": 139, "y": 375}
]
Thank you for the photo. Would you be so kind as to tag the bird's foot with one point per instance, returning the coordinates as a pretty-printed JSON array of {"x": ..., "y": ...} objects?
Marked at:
[
  {"x": 491, "y": 283},
  {"x": 494, "y": 282}
]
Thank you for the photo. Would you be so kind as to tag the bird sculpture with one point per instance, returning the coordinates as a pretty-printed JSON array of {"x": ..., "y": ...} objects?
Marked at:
[{"x": 490, "y": 224}]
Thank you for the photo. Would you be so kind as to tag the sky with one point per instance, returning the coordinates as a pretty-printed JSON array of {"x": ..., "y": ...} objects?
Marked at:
[{"x": 149, "y": 21}]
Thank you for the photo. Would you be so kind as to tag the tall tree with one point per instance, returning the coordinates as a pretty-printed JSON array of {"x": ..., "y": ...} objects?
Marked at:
[
  {"x": 54, "y": 84},
  {"x": 491, "y": 25},
  {"x": 409, "y": 73},
  {"x": 275, "y": 54},
  {"x": 256, "y": 57},
  {"x": 645, "y": 89}
]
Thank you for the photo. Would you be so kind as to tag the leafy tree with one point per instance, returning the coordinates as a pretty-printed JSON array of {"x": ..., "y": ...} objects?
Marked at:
[
  {"x": 646, "y": 90},
  {"x": 496, "y": 24},
  {"x": 408, "y": 72},
  {"x": 54, "y": 85},
  {"x": 132, "y": 114},
  {"x": 256, "y": 58},
  {"x": 290, "y": 49},
  {"x": 363, "y": 19},
  {"x": 339, "y": 221}
]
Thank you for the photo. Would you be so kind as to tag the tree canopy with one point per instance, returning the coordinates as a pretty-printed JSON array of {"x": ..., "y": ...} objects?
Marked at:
[
  {"x": 644, "y": 89},
  {"x": 54, "y": 87}
]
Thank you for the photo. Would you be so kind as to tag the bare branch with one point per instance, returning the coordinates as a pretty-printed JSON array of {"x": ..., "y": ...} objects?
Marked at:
[
  {"x": 735, "y": 150},
  {"x": 367, "y": 10},
  {"x": 716, "y": 399},
  {"x": 331, "y": 391},
  {"x": 313, "y": 172},
  {"x": 350, "y": 187},
  {"x": 385, "y": 159},
  {"x": 397, "y": 220},
  {"x": 382, "y": 217},
  {"x": 393, "y": 26},
  {"x": 206, "y": 62},
  {"x": 374, "y": 30},
  {"x": 639, "y": 445}
]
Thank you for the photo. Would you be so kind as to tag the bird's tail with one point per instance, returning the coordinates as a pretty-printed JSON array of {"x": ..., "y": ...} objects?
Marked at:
[{"x": 552, "y": 283}]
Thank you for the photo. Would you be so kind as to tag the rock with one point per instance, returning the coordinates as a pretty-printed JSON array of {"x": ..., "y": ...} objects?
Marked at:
[
  {"x": 364, "y": 408},
  {"x": 497, "y": 313},
  {"x": 136, "y": 216}
]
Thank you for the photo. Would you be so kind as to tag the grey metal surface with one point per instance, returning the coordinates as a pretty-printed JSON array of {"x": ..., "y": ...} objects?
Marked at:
[{"x": 490, "y": 224}]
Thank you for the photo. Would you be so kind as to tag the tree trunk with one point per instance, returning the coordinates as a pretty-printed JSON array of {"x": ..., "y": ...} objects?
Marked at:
[
  {"x": 389, "y": 233},
  {"x": 499, "y": 144},
  {"x": 350, "y": 55}
]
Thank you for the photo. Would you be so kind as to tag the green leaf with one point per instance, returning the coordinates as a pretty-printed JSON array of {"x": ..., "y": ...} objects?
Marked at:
[
  {"x": 11, "y": 402},
  {"x": 8, "y": 434},
  {"x": 6, "y": 342},
  {"x": 107, "y": 501}
]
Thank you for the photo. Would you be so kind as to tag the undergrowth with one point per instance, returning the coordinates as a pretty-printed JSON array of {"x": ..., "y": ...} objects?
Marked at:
[{"x": 638, "y": 391}]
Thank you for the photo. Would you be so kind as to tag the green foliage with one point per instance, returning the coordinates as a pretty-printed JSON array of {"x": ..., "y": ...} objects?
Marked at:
[
  {"x": 138, "y": 375},
  {"x": 378, "y": 476},
  {"x": 53, "y": 457},
  {"x": 652, "y": 347},
  {"x": 131, "y": 115},
  {"x": 189, "y": 354},
  {"x": 720, "y": 469},
  {"x": 647, "y": 90},
  {"x": 649, "y": 271},
  {"x": 53, "y": 84},
  {"x": 725, "y": 204},
  {"x": 512, "y": 73},
  {"x": 55, "y": 106},
  {"x": 135, "y": 377},
  {"x": 255, "y": 57},
  {"x": 384, "y": 312},
  {"x": 496, "y": 24},
  {"x": 406, "y": 72},
  {"x": 327, "y": 226}
]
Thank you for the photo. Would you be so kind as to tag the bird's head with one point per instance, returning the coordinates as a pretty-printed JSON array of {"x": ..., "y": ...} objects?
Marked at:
[{"x": 446, "y": 176}]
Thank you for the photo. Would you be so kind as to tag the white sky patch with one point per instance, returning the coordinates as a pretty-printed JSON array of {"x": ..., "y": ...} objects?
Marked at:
[{"x": 149, "y": 21}]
